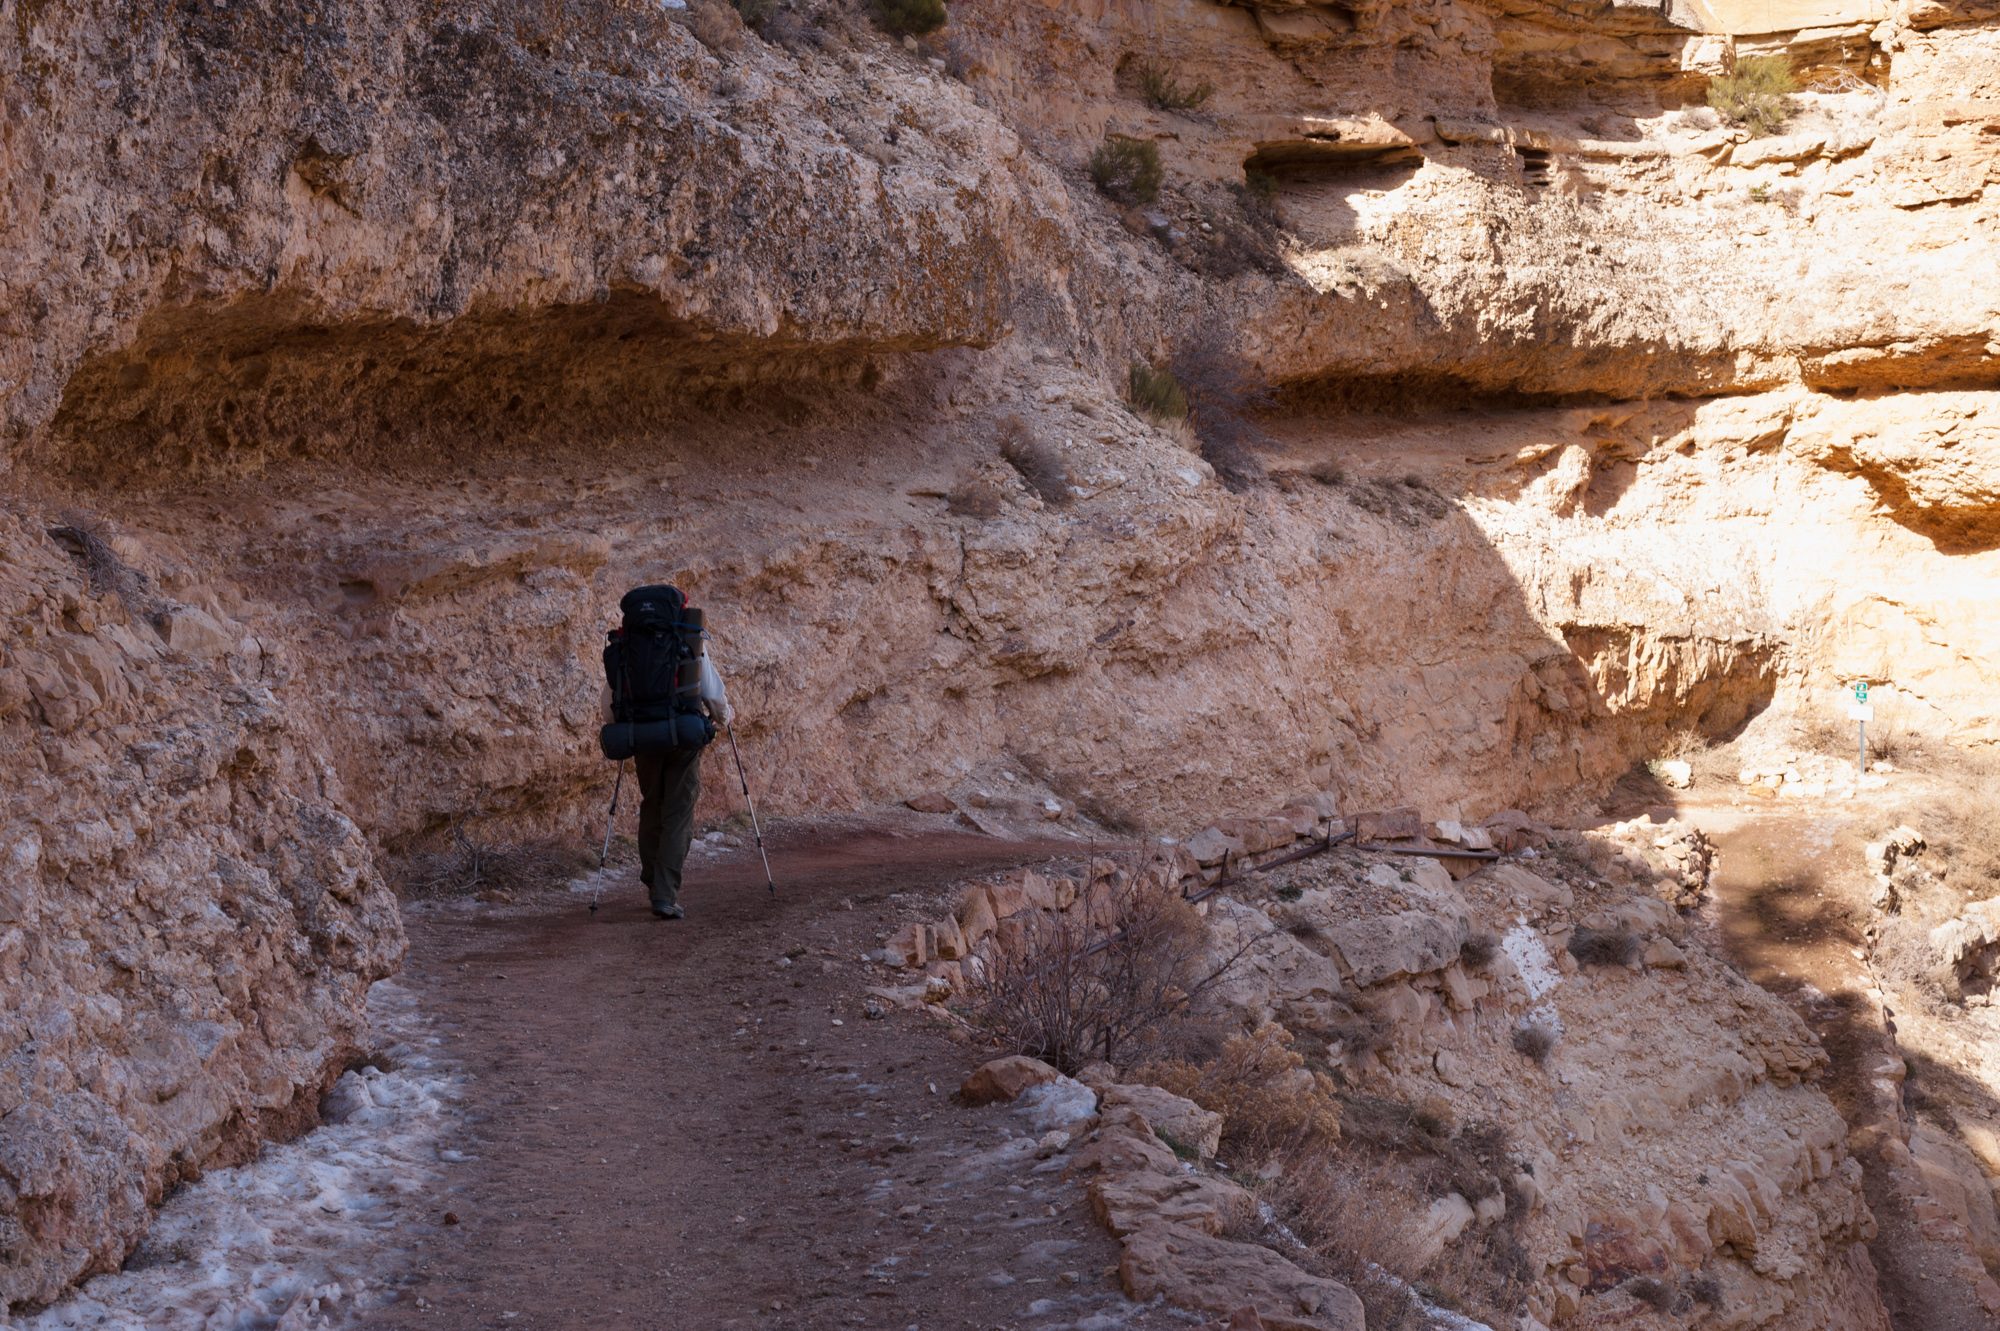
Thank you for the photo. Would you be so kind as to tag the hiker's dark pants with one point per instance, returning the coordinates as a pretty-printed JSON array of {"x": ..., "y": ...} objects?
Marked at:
[{"x": 669, "y": 784}]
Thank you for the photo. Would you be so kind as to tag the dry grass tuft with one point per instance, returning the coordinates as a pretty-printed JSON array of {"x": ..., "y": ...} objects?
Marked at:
[
  {"x": 1168, "y": 93},
  {"x": 1534, "y": 1040},
  {"x": 1362, "y": 1229},
  {"x": 1155, "y": 393},
  {"x": 716, "y": 25},
  {"x": 87, "y": 540},
  {"x": 1604, "y": 947},
  {"x": 1655, "y": 1293},
  {"x": 1409, "y": 501},
  {"x": 977, "y": 496},
  {"x": 1478, "y": 950},
  {"x": 1270, "y": 1103}
]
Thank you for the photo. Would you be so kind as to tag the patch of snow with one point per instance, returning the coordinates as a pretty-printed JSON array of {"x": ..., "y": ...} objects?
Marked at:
[
  {"x": 1058, "y": 1104},
  {"x": 307, "y": 1234},
  {"x": 1524, "y": 948}
]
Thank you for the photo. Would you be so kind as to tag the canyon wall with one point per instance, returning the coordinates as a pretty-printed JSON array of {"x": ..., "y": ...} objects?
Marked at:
[{"x": 354, "y": 358}]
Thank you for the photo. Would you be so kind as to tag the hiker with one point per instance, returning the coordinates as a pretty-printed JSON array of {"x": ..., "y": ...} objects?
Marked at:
[{"x": 661, "y": 704}]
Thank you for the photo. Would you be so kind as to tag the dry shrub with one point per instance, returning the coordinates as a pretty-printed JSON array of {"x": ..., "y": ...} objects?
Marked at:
[
  {"x": 1705, "y": 1289},
  {"x": 1127, "y": 169},
  {"x": 716, "y": 25},
  {"x": 1534, "y": 1040},
  {"x": 977, "y": 496},
  {"x": 469, "y": 865},
  {"x": 1655, "y": 1293},
  {"x": 1478, "y": 950},
  {"x": 1155, "y": 393},
  {"x": 1757, "y": 95},
  {"x": 86, "y": 540},
  {"x": 1959, "y": 825},
  {"x": 1069, "y": 993},
  {"x": 1363, "y": 1229},
  {"x": 1328, "y": 472},
  {"x": 911, "y": 18},
  {"x": 1604, "y": 947},
  {"x": 1271, "y": 1105},
  {"x": 1360, "y": 1032},
  {"x": 1223, "y": 395},
  {"x": 1040, "y": 464},
  {"x": 1168, "y": 93},
  {"x": 792, "y": 30},
  {"x": 1818, "y": 731}
]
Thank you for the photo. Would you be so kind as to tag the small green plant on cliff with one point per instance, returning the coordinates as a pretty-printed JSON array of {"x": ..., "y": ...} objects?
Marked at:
[
  {"x": 1168, "y": 93},
  {"x": 911, "y": 18},
  {"x": 1127, "y": 169},
  {"x": 1156, "y": 393},
  {"x": 1757, "y": 96}
]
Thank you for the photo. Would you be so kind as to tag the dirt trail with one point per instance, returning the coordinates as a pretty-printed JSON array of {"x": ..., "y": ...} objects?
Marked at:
[
  {"x": 1790, "y": 910},
  {"x": 692, "y": 1124}
]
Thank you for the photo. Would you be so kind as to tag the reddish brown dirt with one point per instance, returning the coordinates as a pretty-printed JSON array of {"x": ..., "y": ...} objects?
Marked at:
[{"x": 672, "y": 1129}]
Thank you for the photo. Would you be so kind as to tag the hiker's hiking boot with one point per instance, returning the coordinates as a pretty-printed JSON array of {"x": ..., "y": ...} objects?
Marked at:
[{"x": 666, "y": 910}]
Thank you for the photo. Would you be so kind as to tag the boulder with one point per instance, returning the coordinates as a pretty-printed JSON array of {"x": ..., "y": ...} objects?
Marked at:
[
  {"x": 1178, "y": 1121},
  {"x": 1526, "y": 891},
  {"x": 908, "y": 946},
  {"x": 1201, "y": 1272},
  {"x": 1005, "y": 1079},
  {"x": 1212, "y": 846},
  {"x": 1275, "y": 971},
  {"x": 1124, "y": 1143},
  {"x": 1303, "y": 819},
  {"x": 975, "y": 916},
  {"x": 1128, "y": 1202},
  {"x": 1409, "y": 942},
  {"x": 932, "y": 802},
  {"x": 1674, "y": 774},
  {"x": 1061, "y": 1104},
  {"x": 1260, "y": 834},
  {"x": 1388, "y": 825}
]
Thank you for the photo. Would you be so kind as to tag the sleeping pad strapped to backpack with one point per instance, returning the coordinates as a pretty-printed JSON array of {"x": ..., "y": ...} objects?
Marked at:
[{"x": 653, "y": 664}]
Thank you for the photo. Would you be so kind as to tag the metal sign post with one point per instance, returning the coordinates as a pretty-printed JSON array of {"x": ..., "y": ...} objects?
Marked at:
[{"x": 1862, "y": 713}]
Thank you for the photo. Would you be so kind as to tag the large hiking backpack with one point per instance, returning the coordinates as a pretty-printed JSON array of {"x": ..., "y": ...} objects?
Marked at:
[{"x": 652, "y": 662}]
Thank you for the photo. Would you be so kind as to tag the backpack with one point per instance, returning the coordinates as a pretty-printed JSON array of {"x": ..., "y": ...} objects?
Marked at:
[{"x": 652, "y": 662}]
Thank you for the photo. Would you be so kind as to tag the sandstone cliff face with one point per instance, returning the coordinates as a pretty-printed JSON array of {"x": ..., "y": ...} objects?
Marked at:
[{"x": 392, "y": 346}]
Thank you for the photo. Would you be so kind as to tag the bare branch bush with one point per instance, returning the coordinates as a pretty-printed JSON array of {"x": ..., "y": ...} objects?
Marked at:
[
  {"x": 85, "y": 539},
  {"x": 1223, "y": 394},
  {"x": 467, "y": 864},
  {"x": 1103, "y": 979}
]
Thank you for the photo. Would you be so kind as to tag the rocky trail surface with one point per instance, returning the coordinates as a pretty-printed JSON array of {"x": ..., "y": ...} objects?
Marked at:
[
  {"x": 1791, "y": 912},
  {"x": 693, "y": 1124}
]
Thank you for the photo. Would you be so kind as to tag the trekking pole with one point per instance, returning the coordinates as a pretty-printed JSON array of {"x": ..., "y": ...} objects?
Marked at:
[
  {"x": 604, "y": 854},
  {"x": 769, "y": 881}
]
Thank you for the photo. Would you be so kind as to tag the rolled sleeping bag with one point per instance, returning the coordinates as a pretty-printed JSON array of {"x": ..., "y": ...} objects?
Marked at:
[{"x": 625, "y": 739}]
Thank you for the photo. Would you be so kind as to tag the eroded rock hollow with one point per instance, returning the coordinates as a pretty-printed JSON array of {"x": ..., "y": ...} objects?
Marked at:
[{"x": 354, "y": 359}]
